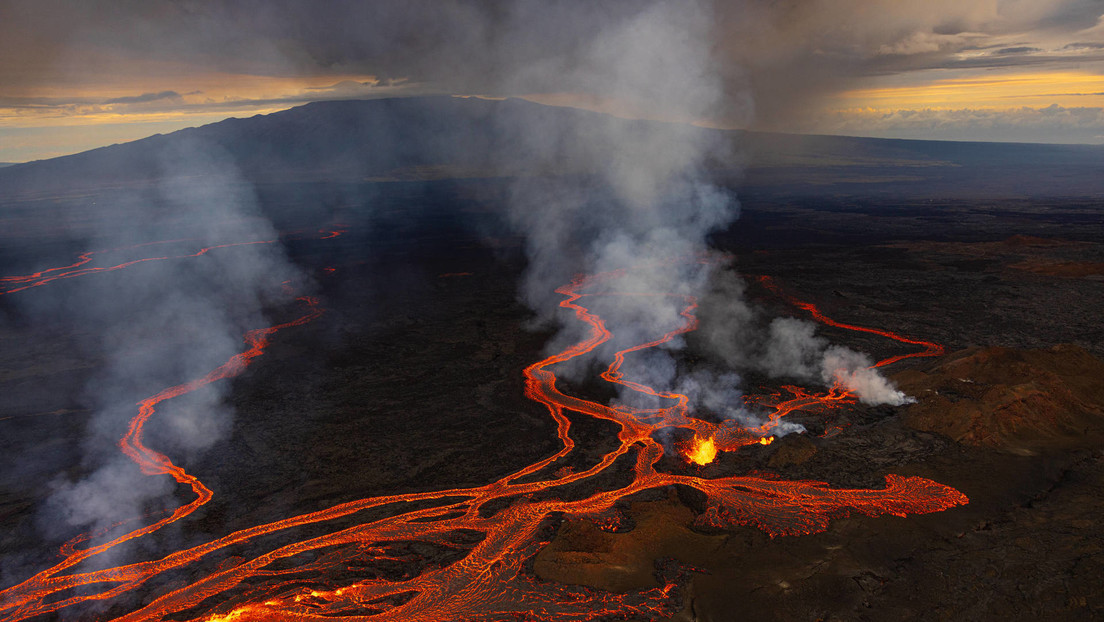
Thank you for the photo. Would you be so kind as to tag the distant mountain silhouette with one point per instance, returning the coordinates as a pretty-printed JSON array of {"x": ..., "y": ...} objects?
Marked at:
[
  {"x": 353, "y": 140},
  {"x": 440, "y": 137}
]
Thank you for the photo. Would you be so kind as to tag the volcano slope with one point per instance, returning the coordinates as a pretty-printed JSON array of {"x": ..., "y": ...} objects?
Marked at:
[{"x": 411, "y": 381}]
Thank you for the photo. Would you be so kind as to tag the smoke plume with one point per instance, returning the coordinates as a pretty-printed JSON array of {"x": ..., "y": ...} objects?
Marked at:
[
  {"x": 160, "y": 323},
  {"x": 784, "y": 348},
  {"x": 647, "y": 208},
  {"x": 855, "y": 371},
  {"x": 648, "y": 203}
]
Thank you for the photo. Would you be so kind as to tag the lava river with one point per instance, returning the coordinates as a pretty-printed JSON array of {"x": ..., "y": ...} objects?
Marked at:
[{"x": 487, "y": 533}]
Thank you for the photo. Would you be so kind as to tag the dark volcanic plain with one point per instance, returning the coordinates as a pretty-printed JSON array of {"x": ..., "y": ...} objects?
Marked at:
[{"x": 411, "y": 380}]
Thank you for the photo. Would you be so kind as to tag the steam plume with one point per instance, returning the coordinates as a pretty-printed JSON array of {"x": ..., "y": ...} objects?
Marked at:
[
  {"x": 162, "y": 323},
  {"x": 649, "y": 208},
  {"x": 649, "y": 205}
]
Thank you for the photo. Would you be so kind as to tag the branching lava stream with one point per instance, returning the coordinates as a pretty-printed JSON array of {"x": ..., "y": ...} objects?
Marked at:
[{"x": 310, "y": 579}]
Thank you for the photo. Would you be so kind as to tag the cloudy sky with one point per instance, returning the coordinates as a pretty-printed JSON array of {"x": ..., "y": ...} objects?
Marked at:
[{"x": 77, "y": 75}]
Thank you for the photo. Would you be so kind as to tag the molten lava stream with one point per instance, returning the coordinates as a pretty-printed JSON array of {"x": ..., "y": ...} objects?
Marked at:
[
  {"x": 38, "y": 279},
  {"x": 27, "y": 597},
  {"x": 930, "y": 349},
  {"x": 46, "y": 583},
  {"x": 489, "y": 582},
  {"x": 333, "y": 231},
  {"x": 82, "y": 259},
  {"x": 18, "y": 283}
]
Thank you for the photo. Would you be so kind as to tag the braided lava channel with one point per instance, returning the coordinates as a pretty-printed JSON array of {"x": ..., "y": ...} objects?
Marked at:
[{"x": 487, "y": 577}]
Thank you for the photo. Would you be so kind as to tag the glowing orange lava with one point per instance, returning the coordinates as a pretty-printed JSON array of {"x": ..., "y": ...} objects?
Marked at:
[
  {"x": 930, "y": 349},
  {"x": 336, "y": 571},
  {"x": 18, "y": 283},
  {"x": 702, "y": 451},
  {"x": 12, "y": 284},
  {"x": 333, "y": 231}
]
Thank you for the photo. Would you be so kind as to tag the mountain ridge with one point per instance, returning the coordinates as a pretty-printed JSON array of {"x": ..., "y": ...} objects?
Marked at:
[{"x": 445, "y": 136}]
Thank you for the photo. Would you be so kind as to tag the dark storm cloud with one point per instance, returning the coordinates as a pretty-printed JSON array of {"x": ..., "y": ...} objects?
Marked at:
[
  {"x": 776, "y": 60},
  {"x": 470, "y": 42},
  {"x": 1017, "y": 50},
  {"x": 445, "y": 45},
  {"x": 425, "y": 39},
  {"x": 793, "y": 52},
  {"x": 1068, "y": 15}
]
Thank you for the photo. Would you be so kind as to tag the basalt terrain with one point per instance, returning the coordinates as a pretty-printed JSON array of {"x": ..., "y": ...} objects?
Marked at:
[{"x": 405, "y": 364}]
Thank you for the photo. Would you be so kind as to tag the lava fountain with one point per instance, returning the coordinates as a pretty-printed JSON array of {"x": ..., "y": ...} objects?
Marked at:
[{"x": 702, "y": 451}]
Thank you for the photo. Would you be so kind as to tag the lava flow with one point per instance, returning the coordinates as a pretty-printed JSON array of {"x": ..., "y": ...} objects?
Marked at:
[
  {"x": 12, "y": 284},
  {"x": 369, "y": 571},
  {"x": 80, "y": 267},
  {"x": 930, "y": 349}
]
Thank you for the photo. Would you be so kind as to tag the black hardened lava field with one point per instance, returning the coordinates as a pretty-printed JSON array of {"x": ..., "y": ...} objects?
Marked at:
[{"x": 244, "y": 386}]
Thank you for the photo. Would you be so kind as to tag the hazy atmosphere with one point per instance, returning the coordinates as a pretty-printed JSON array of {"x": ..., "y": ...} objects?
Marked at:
[{"x": 74, "y": 76}]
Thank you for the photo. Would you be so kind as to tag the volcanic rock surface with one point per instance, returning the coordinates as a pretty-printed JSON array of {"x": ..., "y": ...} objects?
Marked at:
[
  {"x": 584, "y": 553},
  {"x": 1049, "y": 398}
]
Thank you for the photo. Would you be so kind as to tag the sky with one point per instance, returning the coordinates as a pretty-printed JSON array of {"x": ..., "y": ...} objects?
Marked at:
[{"x": 79, "y": 75}]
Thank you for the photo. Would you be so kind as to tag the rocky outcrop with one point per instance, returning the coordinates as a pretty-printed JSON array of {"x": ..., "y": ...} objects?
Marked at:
[{"x": 1022, "y": 400}]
